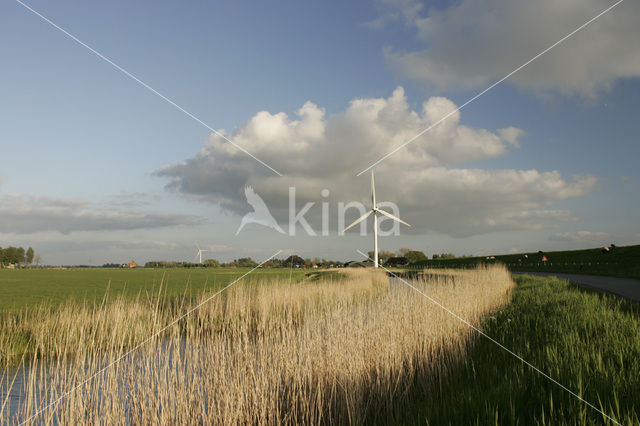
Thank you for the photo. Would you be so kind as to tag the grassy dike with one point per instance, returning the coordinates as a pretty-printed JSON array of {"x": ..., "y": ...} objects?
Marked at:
[
  {"x": 623, "y": 262},
  {"x": 589, "y": 342}
]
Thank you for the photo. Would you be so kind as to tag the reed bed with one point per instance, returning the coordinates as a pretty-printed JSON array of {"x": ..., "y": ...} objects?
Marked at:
[{"x": 330, "y": 351}]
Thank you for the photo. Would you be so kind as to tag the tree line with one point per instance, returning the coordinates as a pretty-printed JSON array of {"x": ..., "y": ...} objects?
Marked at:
[
  {"x": 17, "y": 256},
  {"x": 247, "y": 262},
  {"x": 403, "y": 255},
  {"x": 411, "y": 256}
]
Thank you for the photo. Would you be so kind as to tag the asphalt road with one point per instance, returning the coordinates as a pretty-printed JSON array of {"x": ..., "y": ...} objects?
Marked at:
[{"x": 625, "y": 287}]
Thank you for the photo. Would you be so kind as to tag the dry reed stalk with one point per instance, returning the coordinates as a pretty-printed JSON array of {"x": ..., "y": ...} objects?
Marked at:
[{"x": 344, "y": 352}]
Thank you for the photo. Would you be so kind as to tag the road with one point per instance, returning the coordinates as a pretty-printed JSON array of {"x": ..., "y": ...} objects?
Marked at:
[{"x": 625, "y": 287}]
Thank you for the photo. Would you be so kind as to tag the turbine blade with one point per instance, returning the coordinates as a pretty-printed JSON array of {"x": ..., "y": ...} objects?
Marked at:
[
  {"x": 373, "y": 190},
  {"x": 366, "y": 215},
  {"x": 393, "y": 217}
]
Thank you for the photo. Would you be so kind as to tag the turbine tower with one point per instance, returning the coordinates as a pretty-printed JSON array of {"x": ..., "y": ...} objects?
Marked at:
[
  {"x": 375, "y": 210},
  {"x": 199, "y": 254}
]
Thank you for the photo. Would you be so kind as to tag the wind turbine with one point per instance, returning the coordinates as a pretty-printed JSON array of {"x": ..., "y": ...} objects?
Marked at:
[
  {"x": 375, "y": 210},
  {"x": 199, "y": 254}
]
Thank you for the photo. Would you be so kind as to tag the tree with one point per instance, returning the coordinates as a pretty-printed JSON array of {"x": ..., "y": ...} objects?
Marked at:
[
  {"x": 211, "y": 263},
  {"x": 293, "y": 261},
  {"x": 30, "y": 255},
  {"x": 403, "y": 252},
  {"x": 447, "y": 256},
  {"x": 246, "y": 262},
  {"x": 415, "y": 256},
  {"x": 383, "y": 255},
  {"x": 20, "y": 256},
  {"x": 11, "y": 255}
]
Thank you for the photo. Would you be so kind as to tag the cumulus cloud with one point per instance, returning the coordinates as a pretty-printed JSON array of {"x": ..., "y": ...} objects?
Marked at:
[
  {"x": 511, "y": 134},
  {"x": 426, "y": 180},
  {"x": 474, "y": 43},
  {"x": 31, "y": 214}
]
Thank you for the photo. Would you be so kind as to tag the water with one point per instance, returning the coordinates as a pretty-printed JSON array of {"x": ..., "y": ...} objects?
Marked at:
[
  {"x": 13, "y": 391},
  {"x": 10, "y": 396},
  {"x": 17, "y": 383}
]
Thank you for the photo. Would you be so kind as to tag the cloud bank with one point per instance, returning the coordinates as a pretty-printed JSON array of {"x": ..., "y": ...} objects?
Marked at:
[
  {"x": 31, "y": 214},
  {"x": 591, "y": 237},
  {"x": 473, "y": 43},
  {"x": 427, "y": 179}
]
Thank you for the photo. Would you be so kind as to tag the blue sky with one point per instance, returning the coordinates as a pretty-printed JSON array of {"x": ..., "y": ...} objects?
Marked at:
[{"x": 87, "y": 152}]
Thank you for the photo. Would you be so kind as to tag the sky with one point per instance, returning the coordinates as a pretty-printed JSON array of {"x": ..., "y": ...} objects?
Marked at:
[{"x": 96, "y": 168}]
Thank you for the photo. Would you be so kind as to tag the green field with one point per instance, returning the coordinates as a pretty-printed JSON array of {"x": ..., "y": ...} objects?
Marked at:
[
  {"x": 587, "y": 341},
  {"x": 27, "y": 287},
  {"x": 618, "y": 262}
]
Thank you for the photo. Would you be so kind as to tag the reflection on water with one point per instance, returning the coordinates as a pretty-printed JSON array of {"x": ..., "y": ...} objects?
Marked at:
[
  {"x": 29, "y": 389},
  {"x": 12, "y": 391}
]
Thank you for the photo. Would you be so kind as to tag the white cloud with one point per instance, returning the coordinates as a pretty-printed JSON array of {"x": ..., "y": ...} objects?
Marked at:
[
  {"x": 511, "y": 134},
  {"x": 476, "y": 42},
  {"x": 316, "y": 152},
  {"x": 30, "y": 214},
  {"x": 392, "y": 11}
]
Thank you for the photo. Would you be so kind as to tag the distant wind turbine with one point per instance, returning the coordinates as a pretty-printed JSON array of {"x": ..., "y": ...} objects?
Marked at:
[
  {"x": 375, "y": 210},
  {"x": 199, "y": 254}
]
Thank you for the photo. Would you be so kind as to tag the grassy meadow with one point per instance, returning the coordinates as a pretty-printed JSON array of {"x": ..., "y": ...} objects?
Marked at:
[
  {"x": 29, "y": 287},
  {"x": 588, "y": 341}
]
